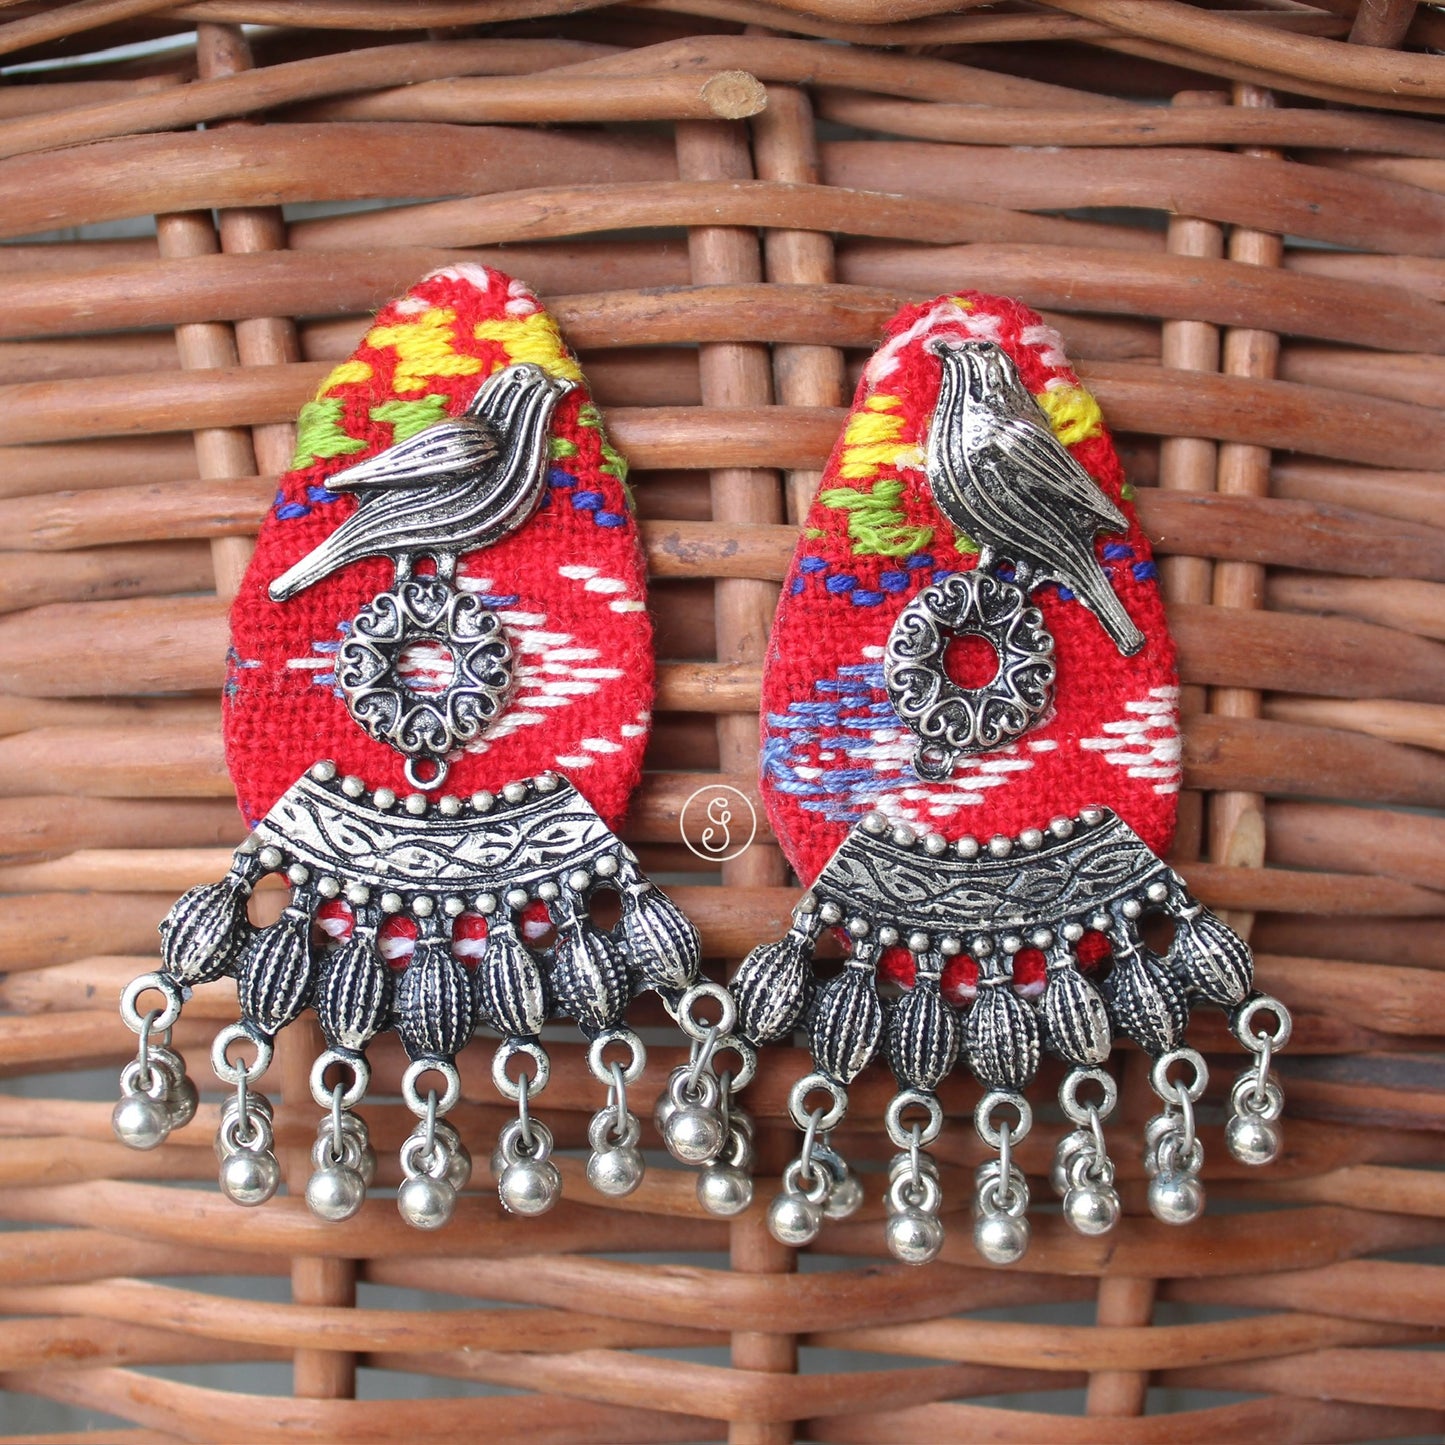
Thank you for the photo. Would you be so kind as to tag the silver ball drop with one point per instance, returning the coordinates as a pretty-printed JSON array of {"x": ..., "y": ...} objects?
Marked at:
[
  {"x": 724, "y": 1190},
  {"x": 1252, "y": 1140},
  {"x": 249, "y": 1178},
  {"x": 1092, "y": 1210},
  {"x": 140, "y": 1122},
  {"x": 1000, "y": 1238},
  {"x": 914, "y": 1237},
  {"x": 694, "y": 1135},
  {"x": 1176, "y": 1198},
  {"x": 616, "y": 1172},
  {"x": 794, "y": 1219},
  {"x": 426, "y": 1203},
  {"x": 366, "y": 1165},
  {"x": 183, "y": 1101},
  {"x": 1058, "y": 1178},
  {"x": 529, "y": 1186},
  {"x": 459, "y": 1167},
  {"x": 335, "y": 1193},
  {"x": 845, "y": 1198}
]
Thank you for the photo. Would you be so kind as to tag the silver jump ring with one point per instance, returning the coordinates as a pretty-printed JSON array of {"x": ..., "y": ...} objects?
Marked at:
[
  {"x": 810, "y": 1140},
  {"x": 619, "y": 1098},
  {"x": 419, "y": 1157},
  {"x": 143, "y": 1049},
  {"x": 229, "y": 1073},
  {"x": 354, "y": 1092},
  {"x": 747, "y": 1055},
  {"x": 817, "y": 1188},
  {"x": 817, "y": 1083},
  {"x": 524, "y": 1117},
  {"x": 706, "y": 989},
  {"x": 418, "y": 1069},
  {"x": 602, "y": 1071},
  {"x": 1165, "y": 1087},
  {"x": 168, "y": 989},
  {"x": 1261, "y": 1072},
  {"x": 988, "y": 1131},
  {"x": 1186, "y": 1117},
  {"x": 923, "y": 1193},
  {"x": 701, "y": 1058},
  {"x": 1244, "y": 1017},
  {"x": 520, "y": 1048},
  {"x": 1077, "y": 1113},
  {"x": 899, "y": 1134}
]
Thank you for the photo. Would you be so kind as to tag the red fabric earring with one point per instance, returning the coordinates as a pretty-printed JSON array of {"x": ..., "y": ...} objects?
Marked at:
[
  {"x": 437, "y": 700},
  {"x": 971, "y": 755}
]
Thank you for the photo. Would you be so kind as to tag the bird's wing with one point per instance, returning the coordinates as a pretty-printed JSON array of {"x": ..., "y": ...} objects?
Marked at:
[
  {"x": 444, "y": 450},
  {"x": 1040, "y": 454}
]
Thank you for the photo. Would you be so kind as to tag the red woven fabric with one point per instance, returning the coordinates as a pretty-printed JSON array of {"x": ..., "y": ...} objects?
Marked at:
[
  {"x": 568, "y": 586},
  {"x": 833, "y": 747}
]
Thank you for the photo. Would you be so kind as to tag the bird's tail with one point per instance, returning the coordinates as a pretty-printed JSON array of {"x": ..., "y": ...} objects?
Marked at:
[
  {"x": 308, "y": 571},
  {"x": 1100, "y": 598}
]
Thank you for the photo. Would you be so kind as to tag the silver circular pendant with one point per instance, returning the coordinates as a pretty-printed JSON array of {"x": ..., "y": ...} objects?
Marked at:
[
  {"x": 425, "y": 717},
  {"x": 949, "y": 719}
]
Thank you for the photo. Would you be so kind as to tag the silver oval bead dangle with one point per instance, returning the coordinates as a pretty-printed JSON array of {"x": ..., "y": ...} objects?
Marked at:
[
  {"x": 693, "y": 1131},
  {"x": 530, "y": 1183},
  {"x": 725, "y": 1184},
  {"x": 615, "y": 1167},
  {"x": 796, "y": 1215},
  {"x": 140, "y": 1122},
  {"x": 426, "y": 1203},
  {"x": 335, "y": 1193}
]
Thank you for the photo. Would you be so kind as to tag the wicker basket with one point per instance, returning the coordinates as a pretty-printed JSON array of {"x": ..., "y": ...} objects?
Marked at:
[{"x": 723, "y": 201}]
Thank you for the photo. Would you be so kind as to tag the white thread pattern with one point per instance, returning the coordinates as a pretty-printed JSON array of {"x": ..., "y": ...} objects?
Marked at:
[{"x": 1146, "y": 742}]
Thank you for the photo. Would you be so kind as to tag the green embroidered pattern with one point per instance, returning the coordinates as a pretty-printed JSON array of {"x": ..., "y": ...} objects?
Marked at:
[
  {"x": 876, "y": 524},
  {"x": 407, "y": 418},
  {"x": 614, "y": 464},
  {"x": 319, "y": 433}
]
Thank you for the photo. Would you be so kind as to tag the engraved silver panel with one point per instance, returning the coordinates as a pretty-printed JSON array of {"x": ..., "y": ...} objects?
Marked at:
[
  {"x": 886, "y": 881},
  {"x": 503, "y": 846}
]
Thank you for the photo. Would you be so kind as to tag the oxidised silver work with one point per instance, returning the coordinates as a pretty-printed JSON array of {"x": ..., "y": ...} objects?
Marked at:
[
  {"x": 369, "y": 670},
  {"x": 430, "y": 863},
  {"x": 887, "y": 886},
  {"x": 948, "y": 719},
  {"x": 455, "y": 487},
  {"x": 998, "y": 473}
]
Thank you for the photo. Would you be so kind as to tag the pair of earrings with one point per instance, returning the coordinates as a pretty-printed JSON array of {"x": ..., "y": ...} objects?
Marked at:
[{"x": 437, "y": 702}]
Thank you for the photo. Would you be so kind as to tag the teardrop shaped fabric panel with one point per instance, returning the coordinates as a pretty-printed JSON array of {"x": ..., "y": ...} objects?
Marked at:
[
  {"x": 567, "y": 585},
  {"x": 833, "y": 746}
]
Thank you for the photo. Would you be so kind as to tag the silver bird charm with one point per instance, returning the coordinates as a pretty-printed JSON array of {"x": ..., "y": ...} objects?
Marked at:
[
  {"x": 998, "y": 473},
  {"x": 458, "y": 485}
]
